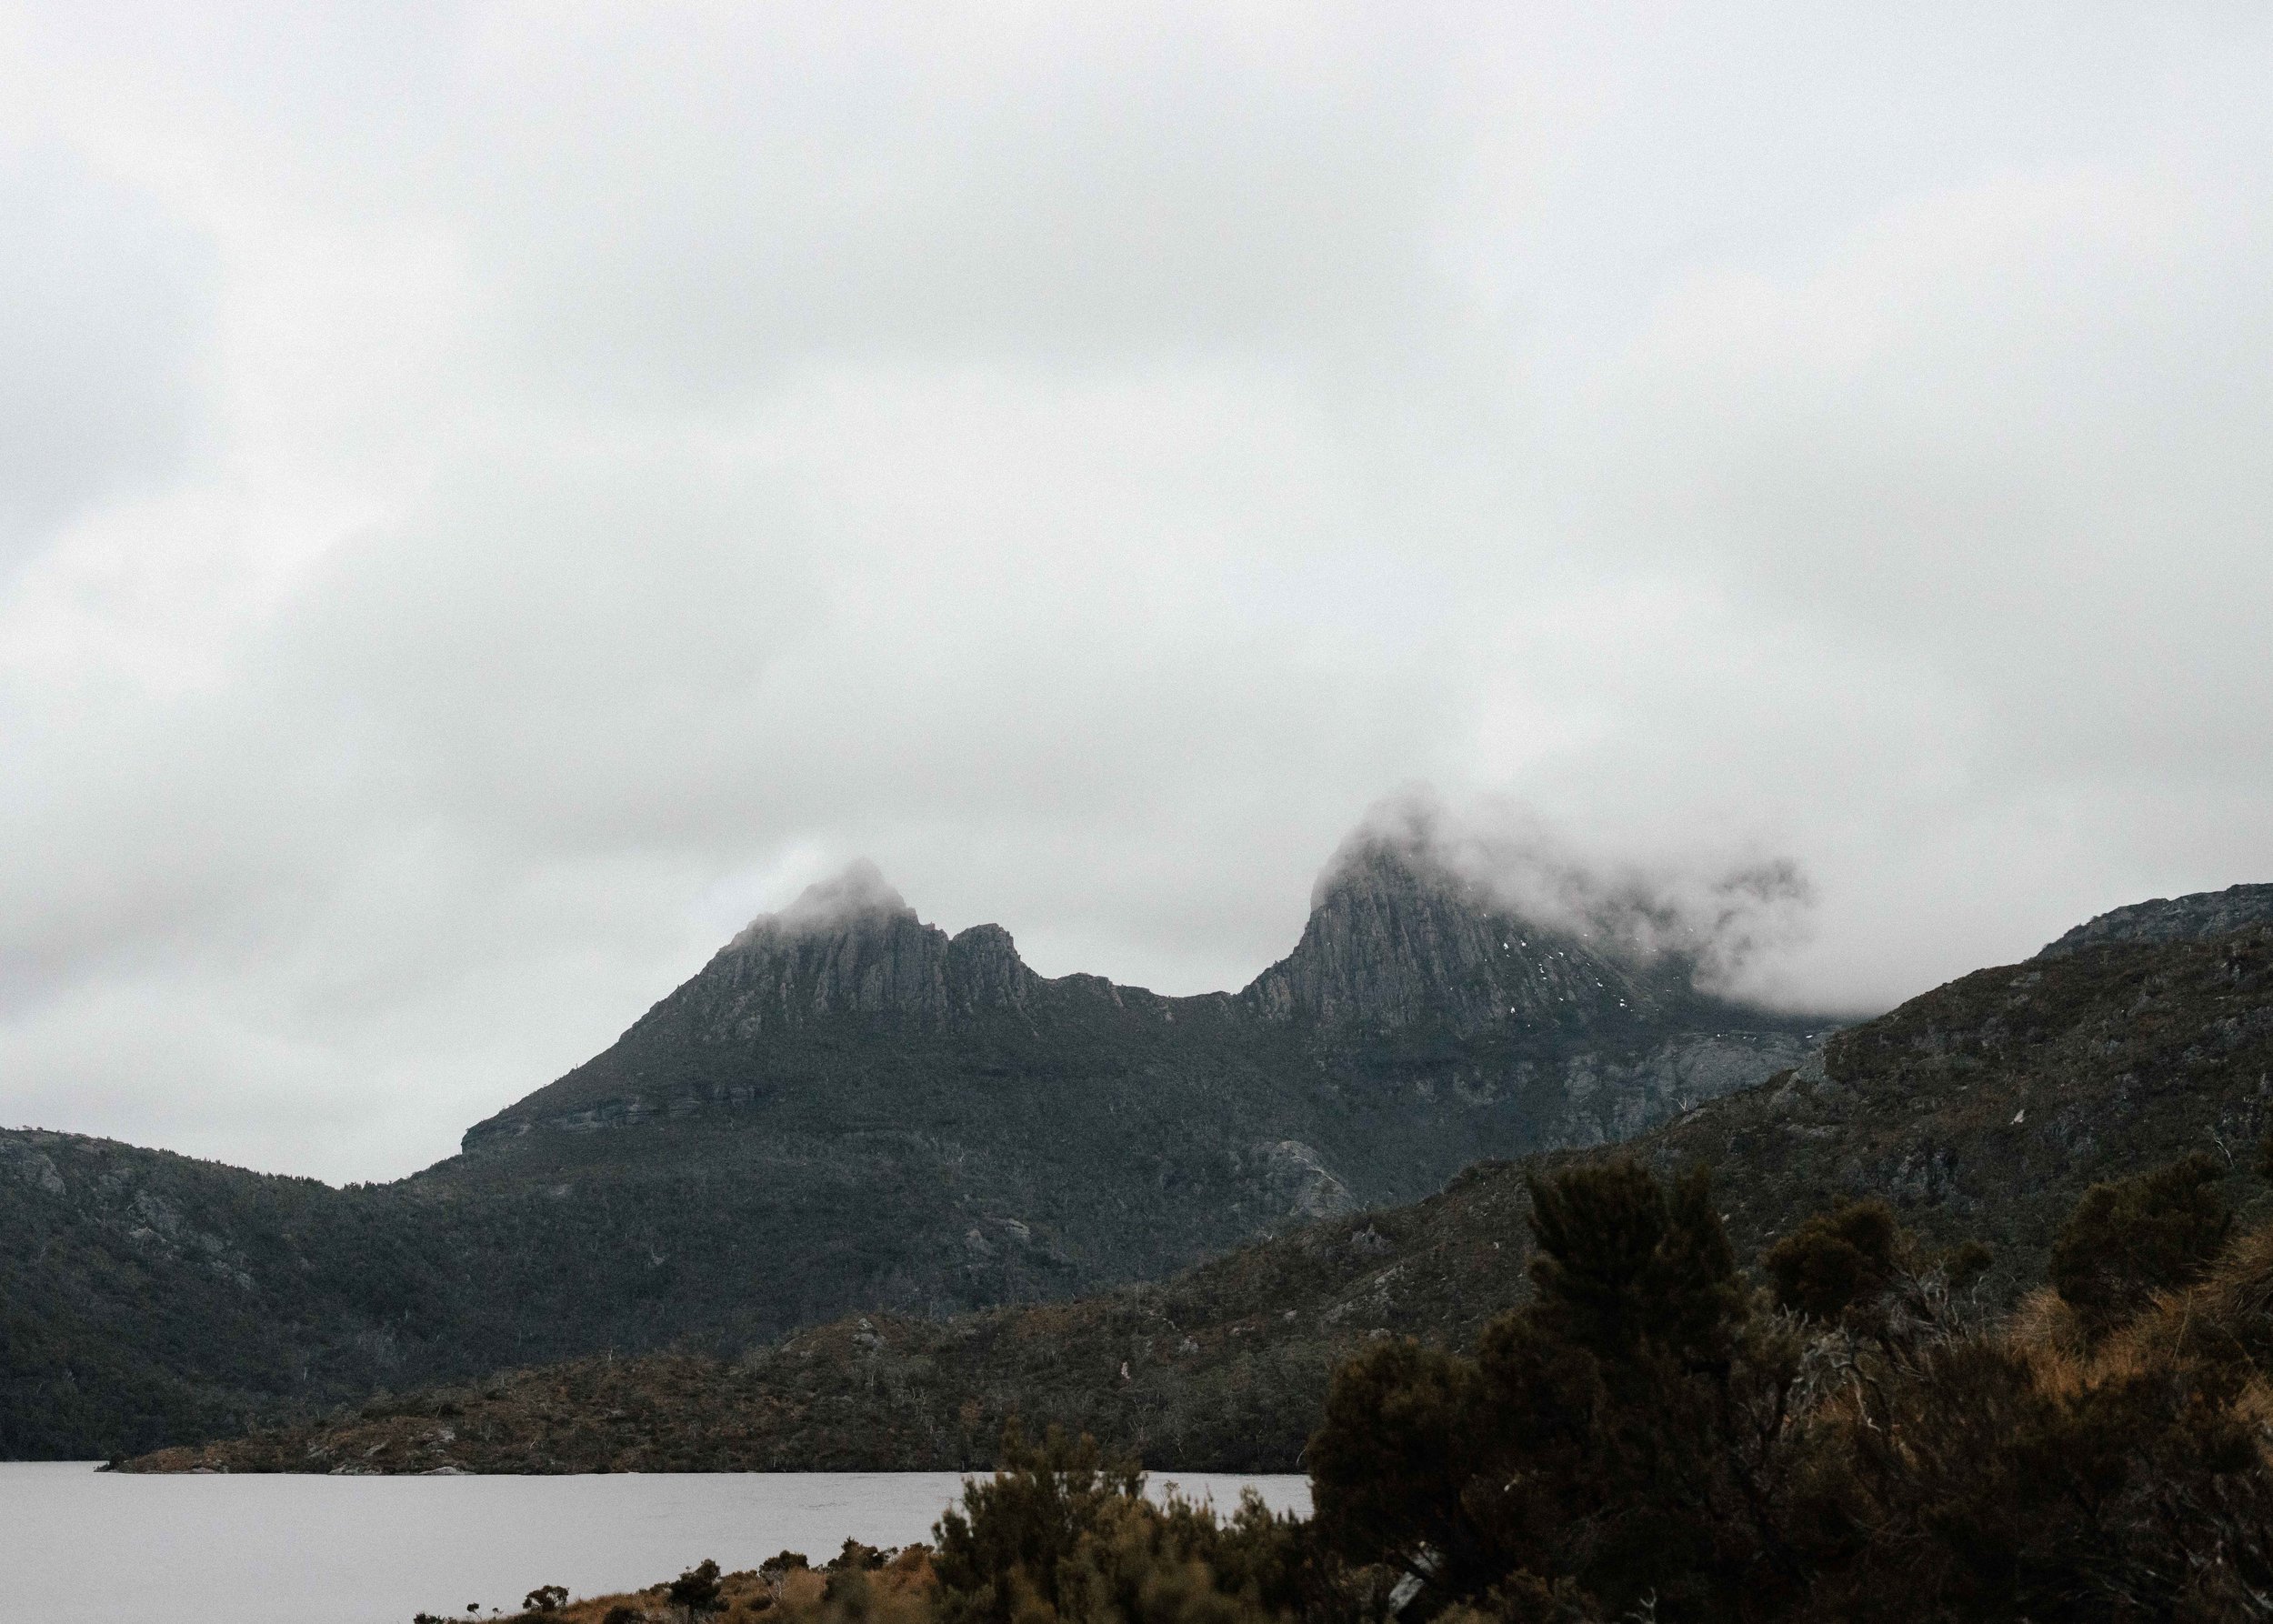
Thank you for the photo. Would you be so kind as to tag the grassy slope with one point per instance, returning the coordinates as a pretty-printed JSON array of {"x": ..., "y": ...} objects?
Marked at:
[{"x": 1982, "y": 1108}]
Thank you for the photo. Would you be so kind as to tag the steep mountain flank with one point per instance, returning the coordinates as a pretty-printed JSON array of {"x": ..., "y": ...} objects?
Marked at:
[
  {"x": 1395, "y": 945},
  {"x": 847, "y": 1110},
  {"x": 922, "y": 1124},
  {"x": 1980, "y": 1110}
]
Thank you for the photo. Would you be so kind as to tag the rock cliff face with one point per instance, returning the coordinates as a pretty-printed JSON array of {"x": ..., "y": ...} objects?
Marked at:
[
  {"x": 1398, "y": 949},
  {"x": 2196, "y": 918},
  {"x": 851, "y": 947},
  {"x": 1395, "y": 943}
]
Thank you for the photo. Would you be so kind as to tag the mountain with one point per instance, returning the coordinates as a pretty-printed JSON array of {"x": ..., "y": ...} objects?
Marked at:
[
  {"x": 1401, "y": 958},
  {"x": 848, "y": 1110},
  {"x": 2194, "y": 917},
  {"x": 1983, "y": 1109},
  {"x": 847, "y": 1107}
]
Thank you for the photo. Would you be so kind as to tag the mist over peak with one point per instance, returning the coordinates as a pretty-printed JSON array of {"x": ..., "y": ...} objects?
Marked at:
[
  {"x": 1717, "y": 918},
  {"x": 858, "y": 891}
]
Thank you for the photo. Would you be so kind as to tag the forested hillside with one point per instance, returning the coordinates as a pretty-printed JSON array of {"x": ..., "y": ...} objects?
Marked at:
[{"x": 1981, "y": 1111}]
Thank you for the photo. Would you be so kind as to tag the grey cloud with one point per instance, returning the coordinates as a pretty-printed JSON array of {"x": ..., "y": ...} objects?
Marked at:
[
  {"x": 1714, "y": 915},
  {"x": 574, "y": 647},
  {"x": 105, "y": 306},
  {"x": 558, "y": 481},
  {"x": 859, "y": 888},
  {"x": 1012, "y": 190}
]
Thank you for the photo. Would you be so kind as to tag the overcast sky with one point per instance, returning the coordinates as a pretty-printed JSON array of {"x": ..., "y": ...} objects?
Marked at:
[{"x": 494, "y": 496}]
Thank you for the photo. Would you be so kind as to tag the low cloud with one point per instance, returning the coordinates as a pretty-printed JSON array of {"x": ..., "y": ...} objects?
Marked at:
[
  {"x": 856, "y": 891},
  {"x": 1722, "y": 917}
]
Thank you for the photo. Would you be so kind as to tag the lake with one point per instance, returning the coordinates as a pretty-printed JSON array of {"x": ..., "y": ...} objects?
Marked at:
[{"x": 83, "y": 1547}]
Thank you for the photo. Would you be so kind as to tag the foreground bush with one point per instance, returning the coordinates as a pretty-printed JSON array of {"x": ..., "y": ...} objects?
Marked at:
[
  {"x": 1060, "y": 1533},
  {"x": 1647, "y": 1438},
  {"x": 1651, "y": 1436}
]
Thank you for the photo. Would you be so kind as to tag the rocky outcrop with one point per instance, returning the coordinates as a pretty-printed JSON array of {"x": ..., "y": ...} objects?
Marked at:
[
  {"x": 1295, "y": 1174},
  {"x": 2196, "y": 918},
  {"x": 851, "y": 947},
  {"x": 1611, "y": 1097},
  {"x": 1395, "y": 941}
]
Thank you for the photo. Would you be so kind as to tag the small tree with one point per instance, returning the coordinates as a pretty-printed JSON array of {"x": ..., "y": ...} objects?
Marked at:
[
  {"x": 1836, "y": 1259},
  {"x": 544, "y": 1599},
  {"x": 695, "y": 1591},
  {"x": 1611, "y": 1445},
  {"x": 2132, "y": 1238},
  {"x": 1014, "y": 1532}
]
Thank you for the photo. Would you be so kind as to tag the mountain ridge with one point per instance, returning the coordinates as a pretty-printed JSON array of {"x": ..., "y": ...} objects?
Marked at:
[
  {"x": 2192, "y": 916},
  {"x": 849, "y": 1110},
  {"x": 1981, "y": 1109},
  {"x": 1394, "y": 945}
]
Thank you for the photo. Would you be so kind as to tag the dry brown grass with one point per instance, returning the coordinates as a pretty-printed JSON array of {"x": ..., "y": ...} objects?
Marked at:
[{"x": 2225, "y": 1319}]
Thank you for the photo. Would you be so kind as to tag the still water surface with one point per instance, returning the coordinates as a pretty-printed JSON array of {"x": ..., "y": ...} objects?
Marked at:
[{"x": 79, "y": 1546}]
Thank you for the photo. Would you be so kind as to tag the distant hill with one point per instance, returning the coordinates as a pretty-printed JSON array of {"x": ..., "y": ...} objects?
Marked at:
[
  {"x": 1982, "y": 1109},
  {"x": 847, "y": 1110}
]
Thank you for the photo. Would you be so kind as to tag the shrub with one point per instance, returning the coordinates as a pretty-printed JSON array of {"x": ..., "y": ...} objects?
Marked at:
[
  {"x": 1622, "y": 1261},
  {"x": 1972, "y": 1482},
  {"x": 696, "y": 1590},
  {"x": 854, "y": 1557},
  {"x": 774, "y": 1568},
  {"x": 1016, "y": 1530},
  {"x": 1836, "y": 1259},
  {"x": 1060, "y": 1533},
  {"x": 1612, "y": 1442},
  {"x": 2130, "y": 1238}
]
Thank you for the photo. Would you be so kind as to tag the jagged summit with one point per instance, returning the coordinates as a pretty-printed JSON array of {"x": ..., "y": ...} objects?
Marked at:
[
  {"x": 2194, "y": 917},
  {"x": 1398, "y": 939},
  {"x": 851, "y": 946}
]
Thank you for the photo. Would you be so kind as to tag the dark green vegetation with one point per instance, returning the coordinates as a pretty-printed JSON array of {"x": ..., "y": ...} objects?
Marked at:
[
  {"x": 1984, "y": 1111},
  {"x": 2132, "y": 1238},
  {"x": 849, "y": 1112},
  {"x": 1653, "y": 1435},
  {"x": 1648, "y": 1435}
]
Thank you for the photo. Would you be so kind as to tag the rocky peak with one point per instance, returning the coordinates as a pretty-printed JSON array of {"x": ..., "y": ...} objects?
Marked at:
[
  {"x": 851, "y": 946},
  {"x": 1396, "y": 939},
  {"x": 984, "y": 970},
  {"x": 2199, "y": 916}
]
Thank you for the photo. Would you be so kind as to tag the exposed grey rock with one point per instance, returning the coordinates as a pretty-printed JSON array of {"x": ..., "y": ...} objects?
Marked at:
[
  {"x": 1394, "y": 942},
  {"x": 1611, "y": 1099},
  {"x": 2196, "y": 918},
  {"x": 1295, "y": 1175},
  {"x": 32, "y": 1166}
]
